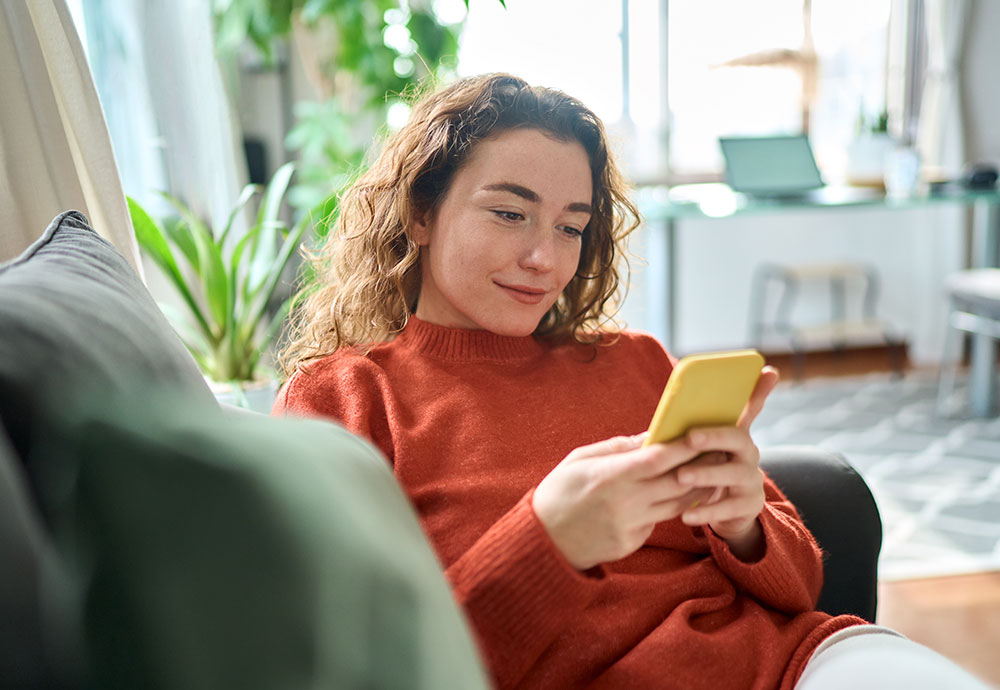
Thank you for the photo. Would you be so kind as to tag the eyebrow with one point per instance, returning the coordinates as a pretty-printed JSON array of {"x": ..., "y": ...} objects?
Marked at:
[{"x": 532, "y": 196}]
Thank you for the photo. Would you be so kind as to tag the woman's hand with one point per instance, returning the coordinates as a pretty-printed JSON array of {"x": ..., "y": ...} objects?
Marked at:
[
  {"x": 738, "y": 483},
  {"x": 602, "y": 501}
]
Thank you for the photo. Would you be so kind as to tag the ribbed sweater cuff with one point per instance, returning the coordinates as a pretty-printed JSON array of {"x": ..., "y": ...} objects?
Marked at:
[
  {"x": 518, "y": 588},
  {"x": 777, "y": 578}
]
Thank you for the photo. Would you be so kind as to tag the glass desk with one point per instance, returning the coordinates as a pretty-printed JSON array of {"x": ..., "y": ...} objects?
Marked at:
[{"x": 662, "y": 208}]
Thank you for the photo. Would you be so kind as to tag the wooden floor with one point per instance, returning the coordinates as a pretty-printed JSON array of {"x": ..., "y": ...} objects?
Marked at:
[
  {"x": 958, "y": 617},
  {"x": 846, "y": 362}
]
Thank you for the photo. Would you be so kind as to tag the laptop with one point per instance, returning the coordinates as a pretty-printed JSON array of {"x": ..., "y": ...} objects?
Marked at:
[{"x": 777, "y": 167}]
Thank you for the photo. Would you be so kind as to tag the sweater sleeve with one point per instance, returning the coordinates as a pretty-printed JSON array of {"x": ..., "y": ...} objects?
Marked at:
[
  {"x": 348, "y": 390},
  {"x": 519, "y": 591},
  {"x": 789, "y": 576}
]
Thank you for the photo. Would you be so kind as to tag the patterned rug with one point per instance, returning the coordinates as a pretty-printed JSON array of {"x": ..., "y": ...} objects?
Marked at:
[{"x": 935, "y": 479}]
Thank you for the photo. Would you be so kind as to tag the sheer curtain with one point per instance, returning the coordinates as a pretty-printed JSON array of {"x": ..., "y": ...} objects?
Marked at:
[
  {"x": 55, "y": 153},
  {"x": 168, "y": 111},
  {"x": 940, "y": 133}
]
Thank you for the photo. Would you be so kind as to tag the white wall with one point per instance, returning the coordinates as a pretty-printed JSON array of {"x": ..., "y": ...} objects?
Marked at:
[
  {"x": 913, "y": 250},
  {"x": 980, "y": 92}
]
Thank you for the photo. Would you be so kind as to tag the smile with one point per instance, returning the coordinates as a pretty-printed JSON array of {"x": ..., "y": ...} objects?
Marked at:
[{"x": 523, "y": 293}]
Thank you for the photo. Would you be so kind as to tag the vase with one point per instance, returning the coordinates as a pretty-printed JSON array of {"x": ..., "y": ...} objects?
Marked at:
[
  {"x": 866, "y": 157},
  {"x": 257, "y": 395}
]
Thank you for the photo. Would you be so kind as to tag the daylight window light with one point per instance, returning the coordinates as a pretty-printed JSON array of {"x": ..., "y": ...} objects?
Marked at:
[
  {"x": 397, "y": 37},
  {"x": 397, "y": 115},
  {"x": 403, "y": 66},
  {"x": 717, "y": 201},
  {"x": 449, "y": 11}
]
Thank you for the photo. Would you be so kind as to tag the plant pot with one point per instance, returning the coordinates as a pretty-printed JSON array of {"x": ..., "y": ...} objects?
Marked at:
[
  {"x": 257, "y": 395},
  {"x": 866, "y": 157}
]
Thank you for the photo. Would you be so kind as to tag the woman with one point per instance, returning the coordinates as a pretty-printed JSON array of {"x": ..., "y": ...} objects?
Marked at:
[{"x": 462, "y": 323}]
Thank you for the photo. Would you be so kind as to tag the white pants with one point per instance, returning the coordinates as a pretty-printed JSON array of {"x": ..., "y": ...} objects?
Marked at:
[{"x": 870, "y": 657}]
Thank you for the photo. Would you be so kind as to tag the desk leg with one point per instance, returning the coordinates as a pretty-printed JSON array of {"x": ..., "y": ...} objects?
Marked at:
[
  {"x": 661, "y": 282},
  {"x": 671, "y": 248},
  {"x": 982, "y": 369}
]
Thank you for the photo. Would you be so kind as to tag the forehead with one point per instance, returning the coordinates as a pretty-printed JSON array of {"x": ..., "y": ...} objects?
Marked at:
[{"x": 549, "y": 166}]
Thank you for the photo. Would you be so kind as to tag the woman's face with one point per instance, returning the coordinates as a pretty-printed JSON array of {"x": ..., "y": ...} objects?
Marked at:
[{"x": 506, "y": 239}]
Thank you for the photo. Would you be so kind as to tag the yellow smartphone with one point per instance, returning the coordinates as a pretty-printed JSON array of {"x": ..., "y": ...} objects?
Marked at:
[{"x": 705, "y": 390}]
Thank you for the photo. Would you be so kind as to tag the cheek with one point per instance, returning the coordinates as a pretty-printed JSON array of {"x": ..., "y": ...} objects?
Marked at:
[
  {"x": 473, "y": 251},
  {"x": 569, "y": 262},
  {"x": 456, "y": 263}
]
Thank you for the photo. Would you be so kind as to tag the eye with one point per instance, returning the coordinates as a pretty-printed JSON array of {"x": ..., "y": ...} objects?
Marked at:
[
  {"x": 511, "y": 216},
  {"x": 571, "y": 231}
]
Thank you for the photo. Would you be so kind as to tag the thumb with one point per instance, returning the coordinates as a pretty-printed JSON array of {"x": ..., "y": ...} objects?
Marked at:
[{"x": 765, "y": 384}]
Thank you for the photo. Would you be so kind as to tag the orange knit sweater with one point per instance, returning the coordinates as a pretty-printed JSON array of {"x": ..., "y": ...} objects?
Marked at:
[{"x": 472, "y": 421}]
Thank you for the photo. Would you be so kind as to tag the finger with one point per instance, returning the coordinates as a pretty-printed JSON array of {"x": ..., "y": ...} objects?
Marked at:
[
  {"x": 708, "y": 459},
  {"x": 668, "y": 510},
  {"x": 766, "y": 382},
  {"x": 733, "y": 475},
  {"x": 726, "y": 439},
  {"x": 732, "y": 508},
  {"x": 665, "y": 487},
  {"x": 610, "y": 446},
  {"x": 654, "y": 460}
]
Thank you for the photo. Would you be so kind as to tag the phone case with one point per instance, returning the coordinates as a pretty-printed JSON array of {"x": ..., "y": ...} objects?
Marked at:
[{"x": 705, "y": 390}]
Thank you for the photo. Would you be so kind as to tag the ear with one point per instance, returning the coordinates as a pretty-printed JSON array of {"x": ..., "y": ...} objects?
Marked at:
[{"x": 420, "y": 228}]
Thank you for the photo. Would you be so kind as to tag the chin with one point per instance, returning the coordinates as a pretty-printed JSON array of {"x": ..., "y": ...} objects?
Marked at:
[{"x": 514, "y": 328}]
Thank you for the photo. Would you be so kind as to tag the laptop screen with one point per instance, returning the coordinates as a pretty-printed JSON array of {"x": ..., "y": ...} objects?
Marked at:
[{"x": 770, "y": 165}]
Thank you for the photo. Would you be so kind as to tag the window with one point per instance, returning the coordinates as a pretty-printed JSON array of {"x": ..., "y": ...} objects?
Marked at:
[{"x": 669, "y": 78}]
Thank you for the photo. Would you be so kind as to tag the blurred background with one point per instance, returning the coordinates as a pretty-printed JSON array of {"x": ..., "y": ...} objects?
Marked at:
[{"x": 201, "y": 97}]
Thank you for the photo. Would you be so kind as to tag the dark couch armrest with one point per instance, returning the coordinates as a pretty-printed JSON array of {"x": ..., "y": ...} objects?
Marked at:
[{"x": 838, "y": 508}]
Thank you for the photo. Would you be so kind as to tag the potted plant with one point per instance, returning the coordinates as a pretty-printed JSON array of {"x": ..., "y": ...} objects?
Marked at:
[
  {"x": 226, "y": 284},
  {"x": 868, "y": 150}
]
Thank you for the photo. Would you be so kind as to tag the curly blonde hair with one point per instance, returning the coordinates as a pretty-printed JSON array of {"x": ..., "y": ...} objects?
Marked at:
[{"x": 367, "y": 273}]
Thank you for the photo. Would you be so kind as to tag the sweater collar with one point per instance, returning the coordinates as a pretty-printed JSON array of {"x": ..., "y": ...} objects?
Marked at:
[{"x": 459, "y": 344}]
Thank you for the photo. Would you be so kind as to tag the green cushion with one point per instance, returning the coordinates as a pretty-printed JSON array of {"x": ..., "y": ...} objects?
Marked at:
[
  {"x": 22, "y": 547},
  {"x": 72, "y": 307},
  {"x": 242, "y": 551}
]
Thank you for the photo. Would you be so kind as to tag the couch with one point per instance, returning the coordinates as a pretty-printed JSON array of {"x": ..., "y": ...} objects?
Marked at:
[{"x": 151, "y": 538}]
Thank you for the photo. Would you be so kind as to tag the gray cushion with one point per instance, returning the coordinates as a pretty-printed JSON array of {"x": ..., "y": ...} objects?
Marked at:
[
  {"x": 242, "y": 551},
  {"x": 72, "y": 307}
]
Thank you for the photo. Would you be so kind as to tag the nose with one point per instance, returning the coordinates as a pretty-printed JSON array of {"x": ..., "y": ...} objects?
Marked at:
[{"x": 540, "y": 252}]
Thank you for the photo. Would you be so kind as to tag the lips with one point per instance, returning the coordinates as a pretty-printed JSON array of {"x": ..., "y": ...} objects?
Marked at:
[{"x": 525, "y": 294}]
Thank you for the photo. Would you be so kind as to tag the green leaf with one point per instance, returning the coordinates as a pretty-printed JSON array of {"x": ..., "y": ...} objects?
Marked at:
[
  {"x": 271, "y": 332},
  {"x": 179, "y": 233},
  {"x": 196, "y": 223},
  {"x": 245, "y": 197},
  {"x": 151, "y": 238},
  {"x": 313, "y": 10},
  {"x": 214, "y": 279},
  {"x": 261, "y": 296},
  {"x": 210, "y": 267},
  {"x": 275, "y": 192},
  {"x": 265, "y": 243},
  {"x": 236, "y": 268}
]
